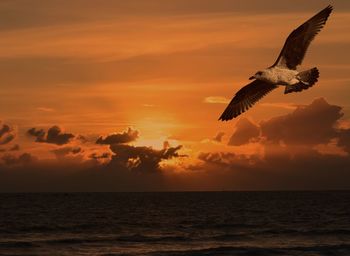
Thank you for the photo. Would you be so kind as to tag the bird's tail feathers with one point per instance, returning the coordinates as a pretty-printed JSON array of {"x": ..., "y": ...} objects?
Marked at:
[
  {"x": 307, "y": 79},
  {"x": 309, "y": 76}
]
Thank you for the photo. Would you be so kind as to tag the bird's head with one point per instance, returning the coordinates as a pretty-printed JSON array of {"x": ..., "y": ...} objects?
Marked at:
[{"x": 258, "y": 75}]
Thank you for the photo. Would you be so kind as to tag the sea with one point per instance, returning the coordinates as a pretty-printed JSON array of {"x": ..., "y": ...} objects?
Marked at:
[{"x": 176, "y": 223}]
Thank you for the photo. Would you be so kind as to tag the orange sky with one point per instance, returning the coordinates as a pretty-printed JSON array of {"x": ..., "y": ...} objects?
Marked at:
[{"x": 165, "y": 68}]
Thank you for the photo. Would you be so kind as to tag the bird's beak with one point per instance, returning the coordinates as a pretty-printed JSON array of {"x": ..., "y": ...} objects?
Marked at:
[{"x": 252, "y": 77}]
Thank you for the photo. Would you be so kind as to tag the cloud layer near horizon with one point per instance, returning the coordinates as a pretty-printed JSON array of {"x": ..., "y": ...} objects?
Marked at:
[{"x": 304, "y": 149}]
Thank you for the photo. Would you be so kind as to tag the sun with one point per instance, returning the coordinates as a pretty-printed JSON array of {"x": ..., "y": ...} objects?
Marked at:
[{"x": 154, "y": 143}]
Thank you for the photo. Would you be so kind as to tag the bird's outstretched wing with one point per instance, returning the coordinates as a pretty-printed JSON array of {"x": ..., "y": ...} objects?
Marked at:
[
  {"x": 298, "y": 41},
  {"x": 246, "y": 98}
]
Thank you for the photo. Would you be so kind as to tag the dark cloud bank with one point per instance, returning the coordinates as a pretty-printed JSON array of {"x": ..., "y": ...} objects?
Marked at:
[
  {"x": 128, "y": 167},
  {"x": 54, "y": 135},
  {"x": 7, "y": 138},
  {"x": 124, "y": 137},
  {"x": 6, "y": 134},
  {"x": 291, "y": 160}
]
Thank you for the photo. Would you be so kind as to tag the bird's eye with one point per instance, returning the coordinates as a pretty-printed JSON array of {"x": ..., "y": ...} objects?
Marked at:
[{"x": 259, "y": 73}]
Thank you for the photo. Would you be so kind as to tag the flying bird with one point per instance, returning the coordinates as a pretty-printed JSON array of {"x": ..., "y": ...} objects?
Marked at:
[{"x": 283, "y": 71}]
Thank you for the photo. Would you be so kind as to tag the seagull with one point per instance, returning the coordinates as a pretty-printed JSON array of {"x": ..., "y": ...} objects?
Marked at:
[{"x": 283, "y": 71}]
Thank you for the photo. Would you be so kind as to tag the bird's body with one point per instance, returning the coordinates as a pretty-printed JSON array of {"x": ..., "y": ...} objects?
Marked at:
[
  {"x": 279, "y": 76},
  {"x": 283, "y": 71}
]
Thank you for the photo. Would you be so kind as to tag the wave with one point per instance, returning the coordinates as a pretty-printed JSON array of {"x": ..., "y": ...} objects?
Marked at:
[
  {"x": 228, "y": 237},
  {"x": 142, "y": 238},
  {"x": 342, "y": 249},
  {"x": 17, "y": 244},
  {"x": 47, "y": 229},
  {"x": 317, "y": 232},
  {"x": 219, "y": 226},
  {"x": 222, "y": 251},
  {"x": 129, "y": 239}
]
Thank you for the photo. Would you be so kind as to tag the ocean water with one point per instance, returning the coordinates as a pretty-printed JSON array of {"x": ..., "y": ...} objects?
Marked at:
[{"x": 186, "y": 223}]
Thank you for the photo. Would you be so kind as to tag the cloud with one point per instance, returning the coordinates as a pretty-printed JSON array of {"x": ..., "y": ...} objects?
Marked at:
[
  {"x": 130, "y": 169},
  {"x": 22, "y": 159},
  {"x": 96, "y": 156},
  {"x": 282, "y": 161},
  {"x": 141, "y": 159},
  {"x": 101, "y": 157},
  {"x": 312, "y": 124},
  {"x": 280, "y": 169},
  {"x": 344, "y": 139},
  {"x": 148, "y": 105},
  {"x": 54, "y": 135},
  {"x": 279, "y": 105},
  {"x": 291, "y": 156},
  {"x": 216, "y": 100},
  {"x": 65, "y": 151},
  {"x": 245, "y": 132},
  {"x": 218, "y": 137},
  {"x": 82, "y": 139},
  {"x": 308, "y": 125},
  {"x": 6, "y": 134},
  {"x": 7, "y": 139},
  {"x": 4, "y": 129},
  {"x": 223, "y": 158},
  {"x": 15, "y": 147},
  {"x": 45, "y": 109},
  {"x": 123, "y": 157},
  {"x": 39, "y": 134},
  {"x": 118, "y": 138}
]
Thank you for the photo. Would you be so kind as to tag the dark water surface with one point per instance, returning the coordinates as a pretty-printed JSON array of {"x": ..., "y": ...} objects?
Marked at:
[{"x": 204, "y": 223}]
